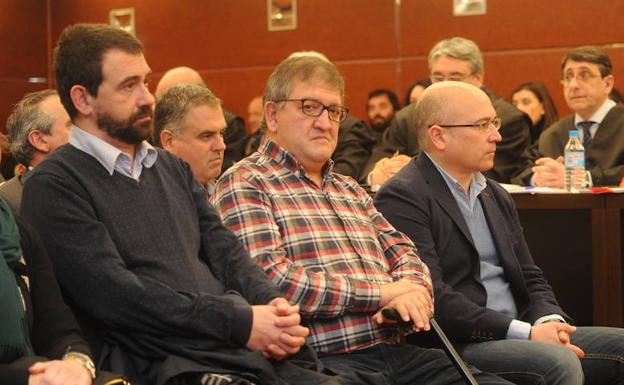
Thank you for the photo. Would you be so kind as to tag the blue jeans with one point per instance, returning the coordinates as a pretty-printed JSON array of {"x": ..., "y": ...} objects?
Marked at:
[
  {"x": 405, "y": 364},
  {"x": 534, "y": 363}
]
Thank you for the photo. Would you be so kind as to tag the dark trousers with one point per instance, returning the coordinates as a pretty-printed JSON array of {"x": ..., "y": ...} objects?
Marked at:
[{"x": 405, "y": 365}]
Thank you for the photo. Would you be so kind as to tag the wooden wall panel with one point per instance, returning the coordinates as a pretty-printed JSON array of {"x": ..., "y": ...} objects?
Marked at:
[
  {"x": 512, "y": 25},
  {"x": 215, "y": 34},
  {"x": 363, "y": 77},
  {"x": 23, "y": 39},
  {"x": 504, "y": 71},
  {"x": 24, "y": 51},
  {"x": 228, "y": 41}
]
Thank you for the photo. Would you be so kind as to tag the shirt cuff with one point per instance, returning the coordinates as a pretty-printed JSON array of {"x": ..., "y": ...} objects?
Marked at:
[
  {"x": 518, "y": 330},
  {"x": 369, "y": 181},
  {"x": 549, "y": 317},
  {"x": 366, "y": 297}
]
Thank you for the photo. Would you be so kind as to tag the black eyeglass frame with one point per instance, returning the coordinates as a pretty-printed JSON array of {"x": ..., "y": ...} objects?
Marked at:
[
  {"x": 496, "y": 122},
  {"x": 328, "y": 108}
]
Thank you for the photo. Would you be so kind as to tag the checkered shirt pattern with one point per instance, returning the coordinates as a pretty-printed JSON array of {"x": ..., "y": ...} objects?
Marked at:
[{"x": 327, "y": 248}]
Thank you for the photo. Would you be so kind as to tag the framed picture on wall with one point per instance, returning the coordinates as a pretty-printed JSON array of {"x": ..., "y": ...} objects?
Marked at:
[{"x": 281, "y": 15}]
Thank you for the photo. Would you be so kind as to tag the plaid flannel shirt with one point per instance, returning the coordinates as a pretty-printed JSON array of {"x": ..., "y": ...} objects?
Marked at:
[{"x": 327, "y": 248}]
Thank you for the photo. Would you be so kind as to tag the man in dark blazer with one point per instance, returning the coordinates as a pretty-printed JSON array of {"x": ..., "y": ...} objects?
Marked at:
[
  {"x": 587, "y": 79},
  {"x": 458, "y": 59},
  {"x": 490, "y": 297}
]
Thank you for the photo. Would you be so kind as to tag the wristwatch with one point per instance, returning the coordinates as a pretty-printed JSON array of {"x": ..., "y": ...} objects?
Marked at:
[{"x": 83, "y": 360}]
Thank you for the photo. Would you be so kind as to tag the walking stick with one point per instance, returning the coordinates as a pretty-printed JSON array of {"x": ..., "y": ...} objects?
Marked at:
[{"x": 458, "y": 362}]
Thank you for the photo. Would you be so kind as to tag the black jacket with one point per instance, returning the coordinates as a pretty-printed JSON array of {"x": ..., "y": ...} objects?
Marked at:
[
  {"x": 53, "y": 328},
  {"x": 515, "y": 130},
  {"x": 418, "y": 202},
  {"x": 604, "y": 156}
]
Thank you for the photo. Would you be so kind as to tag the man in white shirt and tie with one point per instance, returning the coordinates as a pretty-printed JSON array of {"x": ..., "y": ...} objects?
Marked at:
[{"x": 587, "y": 80}]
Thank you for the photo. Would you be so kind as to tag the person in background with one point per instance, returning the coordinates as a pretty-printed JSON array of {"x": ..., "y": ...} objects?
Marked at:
[
  {"x": 616, "y": 96},
  {"x": 189, "y": 122},
  {"x": 415, "y": 90},
  {"x": 587, "y": 80},
  {"x": 381, "y": 106},
  {"x": 254, "y": 117},
  {"x": 533, "y": 99},
  {"x": 37, "y": 126},
  {"x": 234, "y": 135},
  {"x": 458, "y": 59}
]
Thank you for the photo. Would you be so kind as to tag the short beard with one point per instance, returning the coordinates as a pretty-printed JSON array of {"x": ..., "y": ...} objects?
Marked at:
[
  {"x": 127, "y": 131},
  {"x": 380, "y": 127}
]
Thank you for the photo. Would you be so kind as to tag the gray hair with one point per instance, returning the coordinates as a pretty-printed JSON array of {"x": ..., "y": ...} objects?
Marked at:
[
  {"x": 458, "y": 48},
  {"x": 27, "y": 116},
  {"x": 173, "y": 106},
  {"x": 304, "y": 69},
  {"x": 317, "y": 54}
]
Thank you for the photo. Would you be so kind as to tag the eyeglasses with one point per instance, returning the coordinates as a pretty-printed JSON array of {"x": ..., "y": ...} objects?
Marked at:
[
  {"x": 581, "y": 76},
  {"x": 455, "y": 77},
  {"x": 482, "y": 126},
  {"x": 315, "y": 108}
]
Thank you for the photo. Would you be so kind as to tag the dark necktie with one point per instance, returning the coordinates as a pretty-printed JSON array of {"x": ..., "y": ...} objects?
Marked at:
[{"x": 586, "y": 134}]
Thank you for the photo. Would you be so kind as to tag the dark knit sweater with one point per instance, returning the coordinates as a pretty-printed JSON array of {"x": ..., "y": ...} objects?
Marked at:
[{"x": 148, "y": 259}]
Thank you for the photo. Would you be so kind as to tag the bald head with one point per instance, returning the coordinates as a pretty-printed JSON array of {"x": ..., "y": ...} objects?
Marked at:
[
  {"x": 458, "y": 128},
  {"x": 178, "y": 75},
  {"x": 443, "y": 103}
]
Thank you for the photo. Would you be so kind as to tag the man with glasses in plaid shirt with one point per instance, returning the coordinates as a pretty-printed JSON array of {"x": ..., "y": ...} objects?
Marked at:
[{"x": 317, "y": 235}]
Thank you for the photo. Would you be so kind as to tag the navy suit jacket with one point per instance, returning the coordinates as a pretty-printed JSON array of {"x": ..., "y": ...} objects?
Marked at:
[{"x": 418, "y": 202}]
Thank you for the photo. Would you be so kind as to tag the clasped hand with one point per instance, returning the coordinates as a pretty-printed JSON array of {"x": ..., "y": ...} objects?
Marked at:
[
  {"x": 57, "y": 372},
  {"x": 276, "y": 329},
  {"x": 386, "y": 168},
  {"x": 556, "y": 333},
  {"x": 549, "y": 172},
  {"x": 413, "y": 303}
]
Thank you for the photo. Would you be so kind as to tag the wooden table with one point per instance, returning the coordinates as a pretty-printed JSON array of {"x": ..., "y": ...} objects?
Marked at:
[{"x": 577, "y": 240}]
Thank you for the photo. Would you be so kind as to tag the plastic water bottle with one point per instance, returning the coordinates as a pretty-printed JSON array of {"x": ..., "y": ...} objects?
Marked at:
[{"x": 574, "y": 160}]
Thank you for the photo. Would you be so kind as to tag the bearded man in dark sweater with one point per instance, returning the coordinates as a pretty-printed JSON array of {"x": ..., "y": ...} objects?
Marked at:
[{"x": 166, "y": 294}]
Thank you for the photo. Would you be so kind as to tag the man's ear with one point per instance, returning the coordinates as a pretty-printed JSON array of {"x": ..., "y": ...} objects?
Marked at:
[
  {"x": 609, "y": 82},
  {"x": 82, "y": 99},
  {"x": 437, "y": 137},
  {"x": 39, "y": 141},
  {"x": 166, "y": 139},
  {"x": 477, "y": 79},
  {"x": 270, "y": 116}
]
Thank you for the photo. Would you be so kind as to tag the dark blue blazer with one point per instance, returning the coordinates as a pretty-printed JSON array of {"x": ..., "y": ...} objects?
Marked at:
[{"x": 418, "y": 202}]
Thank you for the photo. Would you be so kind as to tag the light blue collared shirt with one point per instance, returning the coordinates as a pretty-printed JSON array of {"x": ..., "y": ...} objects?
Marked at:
[
  {"x": 112, "y": 158},
  {"x": 499, "y": 295},
  {"x": 597, "y": 118}
]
